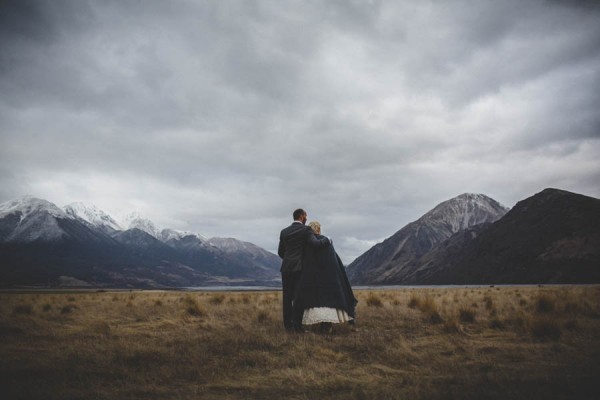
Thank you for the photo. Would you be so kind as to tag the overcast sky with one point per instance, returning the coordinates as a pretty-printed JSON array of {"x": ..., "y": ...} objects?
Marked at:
[{"x": 222, "y": 117}]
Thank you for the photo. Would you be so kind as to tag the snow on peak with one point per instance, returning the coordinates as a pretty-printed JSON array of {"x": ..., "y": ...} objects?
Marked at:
[
  {"x": 173, "y": 234},
  {"x": 31, "y": 210},
  {"x": 466, "y": 210},
  {"x": 38, "y": 220},
  {"x": 229, "y": 244},
  {"x": 27, "y": 205},
  {"x": 135, "y": 220},
  {"x": 92, "y": 215}
]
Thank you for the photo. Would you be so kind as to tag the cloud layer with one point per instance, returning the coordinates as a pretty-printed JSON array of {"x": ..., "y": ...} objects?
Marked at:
[{"x": 222, "y": 117}]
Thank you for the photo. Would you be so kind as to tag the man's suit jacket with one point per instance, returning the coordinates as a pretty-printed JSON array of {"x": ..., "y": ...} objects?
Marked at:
[{"x": 291, "y": 245}]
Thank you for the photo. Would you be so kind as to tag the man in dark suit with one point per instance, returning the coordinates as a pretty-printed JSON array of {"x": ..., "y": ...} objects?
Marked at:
[{"x": 291, "y": 246}]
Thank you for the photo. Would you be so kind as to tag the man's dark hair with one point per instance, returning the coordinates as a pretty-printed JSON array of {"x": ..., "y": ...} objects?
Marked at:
[{"x": 298, "y": 213}]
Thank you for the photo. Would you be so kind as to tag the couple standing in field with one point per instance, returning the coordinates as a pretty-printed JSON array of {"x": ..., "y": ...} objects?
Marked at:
[{"x": 316, "y": 289}]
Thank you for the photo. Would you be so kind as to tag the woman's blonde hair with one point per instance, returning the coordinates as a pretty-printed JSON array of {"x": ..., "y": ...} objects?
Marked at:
[{"x": 315, "y": 226}]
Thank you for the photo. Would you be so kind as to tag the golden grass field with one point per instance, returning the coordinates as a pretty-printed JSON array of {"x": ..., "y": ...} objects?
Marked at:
[{"x": 442, "y": 343}]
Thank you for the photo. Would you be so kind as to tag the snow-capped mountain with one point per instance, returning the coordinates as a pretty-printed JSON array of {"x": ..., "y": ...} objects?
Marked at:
[
  {"x": 464, "y": 211},
  {"x": 248, "y": 253},
  {"x": 135, "y": 220},
  {"x": 172, "y": 234},
  {"x": 231, "y": 244},
  {"x": 551, "y": 237},
  {"x": 29, "y": 219},
  {"x": 27, "y": 205},
  {"x": 92, "y": 215},
  {"x": 42, "y": 244},
  {"x": 389, "y": 261}
]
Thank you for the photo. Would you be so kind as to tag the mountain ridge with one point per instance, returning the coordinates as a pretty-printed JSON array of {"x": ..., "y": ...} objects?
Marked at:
[
  {"x": 387, "y": 261},
  {"x": 550, "y": 237},
  {"x": 40, "y": 243}
]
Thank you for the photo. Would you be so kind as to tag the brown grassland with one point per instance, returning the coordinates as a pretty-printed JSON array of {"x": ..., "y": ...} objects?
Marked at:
[{"x": 426, "y": 343}]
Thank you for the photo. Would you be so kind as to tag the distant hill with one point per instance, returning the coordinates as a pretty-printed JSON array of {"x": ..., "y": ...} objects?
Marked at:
[
  {"x": 394, "y": 260},
  {"x": 42, "y": 244}
]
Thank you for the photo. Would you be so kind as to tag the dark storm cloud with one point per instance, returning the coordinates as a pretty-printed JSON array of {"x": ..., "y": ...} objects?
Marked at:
[{"x": 222, "y": 117}]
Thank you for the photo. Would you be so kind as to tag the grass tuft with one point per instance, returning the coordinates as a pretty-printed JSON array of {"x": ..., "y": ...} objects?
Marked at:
[
  {"x": 262, "y": 317},
  {"x": 413, "y": 302},
  {"x": 374, "y": 301},
  {"x": 466, "y": 315},
  {"x": 192, "y": 307},
  {"x": 451, "y": 325},
  {"x": 217, "y": 299},
  {"x": 489, "y": 303},
  {"x": 544, "y": 304},
  {"x": 67, "y": 309},
  {"x": 435, "y": 318},
  {"x": 22, "y": 309},
  {"x": 427, "y": 305}
]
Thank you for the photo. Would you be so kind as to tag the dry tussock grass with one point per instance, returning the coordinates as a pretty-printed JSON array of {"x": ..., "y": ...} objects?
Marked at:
[{"x": 509, "y": 342}]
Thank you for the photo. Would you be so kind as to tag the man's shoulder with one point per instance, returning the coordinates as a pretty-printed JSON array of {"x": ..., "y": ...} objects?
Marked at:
[{"x": 294, "y": 228}]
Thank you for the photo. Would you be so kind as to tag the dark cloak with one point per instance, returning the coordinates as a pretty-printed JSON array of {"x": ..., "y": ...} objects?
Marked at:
[{"x": 324, "y": 282}]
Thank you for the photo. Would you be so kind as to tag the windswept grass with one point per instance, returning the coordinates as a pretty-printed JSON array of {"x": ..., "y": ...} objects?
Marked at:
[
  {"x": 192, "y": 307},
  {"x": 217, "y": 299},
  {"x": 498, "y": 343},
  {"x": 374, "y": 300}
]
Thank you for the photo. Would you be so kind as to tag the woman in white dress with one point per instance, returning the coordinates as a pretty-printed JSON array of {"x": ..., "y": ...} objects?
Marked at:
[{"x": 324, "y": 291}]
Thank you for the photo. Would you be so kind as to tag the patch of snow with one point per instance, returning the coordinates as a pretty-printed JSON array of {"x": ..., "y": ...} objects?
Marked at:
[
  {"x": 230, "y": 244},
  {"x": 92, "y": 215},
  {"x": 173, "y": 234},
  {"x": 464, "y": 211},
  {"x": 38, "y": 220},
  {"x": 135, "y": 220},
  {"x": 28, "y": 205}
]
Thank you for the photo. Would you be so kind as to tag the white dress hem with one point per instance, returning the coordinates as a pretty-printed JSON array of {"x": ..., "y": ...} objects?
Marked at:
[{"x": 318, "y": 315}]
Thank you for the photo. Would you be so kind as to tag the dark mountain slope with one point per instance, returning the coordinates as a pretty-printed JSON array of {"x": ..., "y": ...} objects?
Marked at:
[{"x": 551, "y": 237}]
